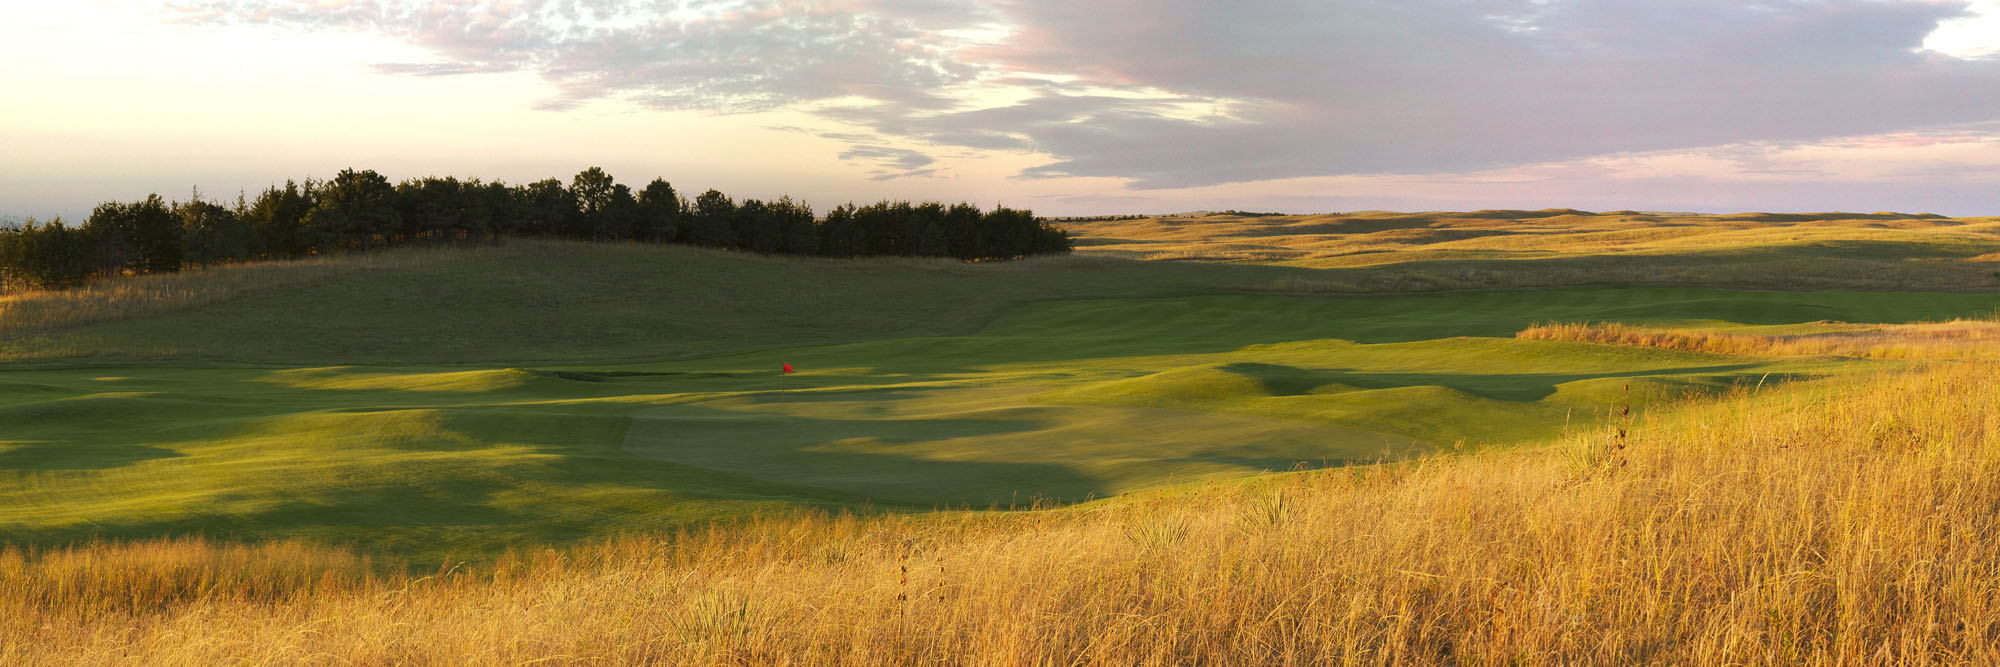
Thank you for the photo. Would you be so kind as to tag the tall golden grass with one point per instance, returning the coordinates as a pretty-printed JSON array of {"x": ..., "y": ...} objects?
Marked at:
[
  {"x": 1378, "y": 251},
  {"x": 1926, "y": 340},
  {"x": 1849, "y": 521}
]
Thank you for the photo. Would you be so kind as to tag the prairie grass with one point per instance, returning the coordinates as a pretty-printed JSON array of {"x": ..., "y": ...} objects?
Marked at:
[
  {"x": 1926, "y": 340},
  {"x": 153, "y": 294},
  {"x": 1375, "y": 251},
  {"x": 1848, "y": 521},
  {"x": 1844, "y": 520}
]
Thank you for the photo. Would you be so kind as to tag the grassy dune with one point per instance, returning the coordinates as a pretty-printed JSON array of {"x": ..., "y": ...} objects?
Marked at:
[
  {"x": 576, "y": 452},
  {"x": 1841, "y": 521},
  {"x": 1372, "y": 251},
  {"x": 1057, "y": 401}
]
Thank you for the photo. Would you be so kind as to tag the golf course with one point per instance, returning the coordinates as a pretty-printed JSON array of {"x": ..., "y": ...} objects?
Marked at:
[{"x": 496, "y": 417}]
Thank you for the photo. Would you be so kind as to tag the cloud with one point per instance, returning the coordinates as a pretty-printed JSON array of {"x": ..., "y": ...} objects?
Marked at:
[
  {"x": 891, "y": 162},
  {"x": 1186, "y": 93},
  {"x": 724, "y": 57}
]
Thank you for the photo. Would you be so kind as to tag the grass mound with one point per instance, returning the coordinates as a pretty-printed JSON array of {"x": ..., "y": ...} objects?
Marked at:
[
  {"x": 1377, "y": 250},
  {"x": 1053, "y": 400},
  {"x": 520, "y": 406},
  {"x": 1817, "y": 522}
]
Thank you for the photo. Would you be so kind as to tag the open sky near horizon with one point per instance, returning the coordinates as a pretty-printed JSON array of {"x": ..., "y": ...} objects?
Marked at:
[{"x": 1068, "y": 108}]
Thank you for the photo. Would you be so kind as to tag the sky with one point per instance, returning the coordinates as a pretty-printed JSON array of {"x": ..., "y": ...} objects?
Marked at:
[{"x": 1063, "y": 107}]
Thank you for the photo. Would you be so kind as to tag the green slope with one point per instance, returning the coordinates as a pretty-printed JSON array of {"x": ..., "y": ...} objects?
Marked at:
[
  {"x": 543, "y": 301},
  {"x": 562, "y": 392}
]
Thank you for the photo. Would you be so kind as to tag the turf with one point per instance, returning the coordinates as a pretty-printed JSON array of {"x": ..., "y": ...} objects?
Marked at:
[
  {"x": 448, "y": 404},
  {"x": 539, "y": 301},
  {"x": 1102, "y": 383}
]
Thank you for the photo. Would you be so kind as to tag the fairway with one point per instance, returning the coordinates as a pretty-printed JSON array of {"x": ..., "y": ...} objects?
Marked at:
[
  {"x": 1051, "y": 401},
  {"x": 829, "y": 333},
  {"x": 978, "y": 447}
]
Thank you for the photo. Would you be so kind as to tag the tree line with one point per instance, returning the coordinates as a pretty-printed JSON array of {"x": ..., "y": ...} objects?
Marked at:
[{"x": 361, "y": 210}]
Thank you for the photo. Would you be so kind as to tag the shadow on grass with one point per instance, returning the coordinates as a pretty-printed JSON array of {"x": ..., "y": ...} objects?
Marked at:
[
  {"x": 47, "y": 455},
  {"x": 878, "y": 457},
  {"x": 1521, "y": 387},
  {"x": 427, "y": 500}
]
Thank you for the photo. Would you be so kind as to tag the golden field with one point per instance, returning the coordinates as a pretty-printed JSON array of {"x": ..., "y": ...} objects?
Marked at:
[{"x": 1370, "y": 251}]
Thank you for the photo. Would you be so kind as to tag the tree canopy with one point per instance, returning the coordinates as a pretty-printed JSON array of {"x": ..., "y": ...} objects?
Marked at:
[{"x": 360, "y": 210}]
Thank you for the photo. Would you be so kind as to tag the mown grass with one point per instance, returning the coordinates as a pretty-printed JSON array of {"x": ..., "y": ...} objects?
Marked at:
[
  {"x": 538, "y": 301},
  {"x": 575, "y": 453},
  {"x": 526, "y": 300},
  {"x": 1055, "y": 402},
  {"x": 1843, "y": 521}
]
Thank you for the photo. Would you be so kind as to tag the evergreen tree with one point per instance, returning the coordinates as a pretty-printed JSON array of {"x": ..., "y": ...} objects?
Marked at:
[
  {"x": 360, "y": 209},
  {"x": 277, "y": 220},
  {"x": 758, "y": 228},
  {"x": 214, "y": 234},
  {"x": 592, "y": 190},
  {"x": 444, "y": 209},
  {"x": 109, "y": 229},
  {"x": 142, "y": 236},
  {"x": 837, "y": 235},
  {"x": 660, "y": 213},
  {"x": 546, "y": 207},
  {"x": 961, "y": 231},
  {"x": 46, "y": 255},
  {"x": 879, "y": 227},
  {"x": 714, "y": 220},
  {"x": 507, "y": 215},
  {"x": 924, "y": 230},
  {"x": 620, "y": 219},
  {"x": 800, "y": 232},
  {"x": 357, "y": 209}
]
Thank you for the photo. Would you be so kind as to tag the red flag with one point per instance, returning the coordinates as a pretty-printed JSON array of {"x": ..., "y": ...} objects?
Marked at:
[{"x": 788, "y": 369}]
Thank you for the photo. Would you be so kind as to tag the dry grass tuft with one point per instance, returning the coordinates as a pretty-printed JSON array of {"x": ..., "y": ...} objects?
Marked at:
[
  {"x": 1823, "y": 523},
  {"x": 1929, "y": 340},
  {"x": 1383, "y": 251}
]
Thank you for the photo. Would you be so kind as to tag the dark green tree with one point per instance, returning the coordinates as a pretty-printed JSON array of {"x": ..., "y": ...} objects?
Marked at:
[
  {"x": 277, "y": 219},
  {"x": 214, "y": 234},
  {"x": 837, "y": 234},
  {"x": 109, "y": 229},
  {"x": 713, "y": 222},
  {"x": 592, "y": 189},
  {"x": 546, "y": 207},
  {"x": 660, "y": 213},
  {"x": 45, "y": 255},
  {"x": 620, "y": 219},
  {"x": 758, "y": 228},
  {"x": 357, "y": 209},
  {"x": 961, "y": 231},
  {"x": 508, "y": 216},
  {"x": 142, "y": 236},
  {"x": 923, "y": 229},
  {"x": 444, "y": 209},
  {"x": 800, "y": 231}
]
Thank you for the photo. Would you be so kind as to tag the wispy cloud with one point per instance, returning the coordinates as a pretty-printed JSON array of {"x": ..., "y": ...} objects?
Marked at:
[
  {"x": 891, "y": 162},
  {"x": 1186, "y": 93}
]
